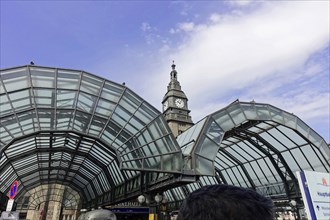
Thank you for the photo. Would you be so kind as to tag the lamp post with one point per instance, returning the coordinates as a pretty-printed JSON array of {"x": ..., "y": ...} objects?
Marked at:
[
  {"x": 161, "y": 203},
  {"x": 295, "y": 209},
  {"x": 157, "y": 205},
  {"x": 141, "y": 199},
  {"x": 158, "y": 198}
]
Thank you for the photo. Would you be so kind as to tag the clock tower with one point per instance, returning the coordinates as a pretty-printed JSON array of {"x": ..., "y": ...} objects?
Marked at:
[{"x": 175, "y": 106}]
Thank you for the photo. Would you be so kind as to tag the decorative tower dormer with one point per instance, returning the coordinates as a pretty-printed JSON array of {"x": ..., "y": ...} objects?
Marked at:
[{"x": 175, "y": 106}]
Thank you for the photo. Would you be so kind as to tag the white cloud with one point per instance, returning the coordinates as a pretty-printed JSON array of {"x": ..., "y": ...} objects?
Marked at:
[
  {"x": 145, "y": 26},
  {"x": 187, "y": 26},
  {"x": 173, "y": 31},
  {"x": 215, "y": 17},
  {"x": 239, "y": 2},
  {"x": 230, "y": 56}
]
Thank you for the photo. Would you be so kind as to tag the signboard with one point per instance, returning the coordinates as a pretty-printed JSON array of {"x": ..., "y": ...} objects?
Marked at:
[
  {"x": 315, "y": 190},
  {"x": 13, "y": 189},
  {"x": 130, "y": 209},
  {"x": 10, "y": 205}
]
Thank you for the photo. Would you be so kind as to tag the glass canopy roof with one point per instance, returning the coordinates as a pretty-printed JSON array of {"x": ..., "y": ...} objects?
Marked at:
[
  {"x": 252, "y": 145},
  {"x": 71, "y": 129},
  {"x": 74, "y": 128}
]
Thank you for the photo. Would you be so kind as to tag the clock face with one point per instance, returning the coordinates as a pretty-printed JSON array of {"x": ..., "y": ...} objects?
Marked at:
[
  {"x": 165, "y": 105},
  {"x": 179, "y": 103}
]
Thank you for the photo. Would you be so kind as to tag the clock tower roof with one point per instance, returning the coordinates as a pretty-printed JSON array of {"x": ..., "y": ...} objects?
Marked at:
[{"x": 174, "y": 87}]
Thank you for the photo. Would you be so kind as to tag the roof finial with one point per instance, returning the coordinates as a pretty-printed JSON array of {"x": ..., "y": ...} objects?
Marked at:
[{"x": 173, "y": 65}]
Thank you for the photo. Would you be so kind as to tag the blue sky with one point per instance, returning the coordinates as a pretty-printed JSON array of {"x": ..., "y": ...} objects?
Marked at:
[{"x": 274, "y": 52}]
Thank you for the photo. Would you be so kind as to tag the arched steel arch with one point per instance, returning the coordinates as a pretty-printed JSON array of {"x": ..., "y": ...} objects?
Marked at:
[
  {"x": 74, "y": 128},
  {"x": 253, "y": 145}
]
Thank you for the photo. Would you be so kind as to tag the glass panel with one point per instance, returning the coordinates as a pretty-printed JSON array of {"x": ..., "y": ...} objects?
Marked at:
[
  {"x": 42, "y": 77},
  {"x": 81, "y": 121},
  {"x": 11, "y": 125},
  {"x": 179, "y": 193},
  {"x": 317, "y": 140},
  {"x": 238, "y": 153},
  {"x": 191, "y": 134},
  {"x": 154, "y": 130},
  {"x": 240, "y": 177},
  {"x": 186, "y": 149},
  {"x": 21, "y": 100},
  {"x": 236, "y": 113},
  {"x": 86, "y": 102},
  {"x": 67, "y": 79},
  {"x": 287, "y": 143},
  {"x": 96, "y": 126},
  {"x": 44, "y": 97},
  {"x": 105, "y": 108},
  {"x": 204, "y": 166},
  {"x": 5, "y": 107},
  {"x": 112, "y": 92},
  {"x": 249, "y": 111},
  {"x": 207, "y": 148},
  {"x": 228, "y": 177},
  {"x": 274, "y": 141},
  {"x": 291, "y": 163},
  {"x": 263, "y": 112},
  {"x": 152, "y": 163},
  {"x": 66, "y": 99},
  {"x": 91, "y": 84},
  {"x": 130, "y": 102},
  {"x": 172, "y": 162},
  {"x": 15, "y": 78},
  {"x": 120, "y": 116},
  {"x": 46, "y": 119},
  {"x": 253, "y": 171},
  {"x": 224, "y": 120},
  {"x": 292, "y": 137},
  {"x": 63, "y": 119},
  {"x": 214, "y": 132},
  {"x": 146, "y": 113},
  {"x": 276, "y": 114},
  {"x": 268, "y": 171},
  {"x": 290, "y": 120},
  {"x": 135, "y": 125}
]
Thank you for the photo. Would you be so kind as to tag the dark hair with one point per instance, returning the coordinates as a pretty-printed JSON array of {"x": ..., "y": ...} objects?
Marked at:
[{"x": 225, "y": 202}]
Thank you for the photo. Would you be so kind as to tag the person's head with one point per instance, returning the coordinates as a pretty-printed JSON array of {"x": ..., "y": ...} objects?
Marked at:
[{"x": 225, "y": 202}]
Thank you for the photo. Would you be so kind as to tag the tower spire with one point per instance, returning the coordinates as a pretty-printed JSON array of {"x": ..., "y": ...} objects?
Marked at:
[
  {"x": 173, "y": 65},
  {"x": 175, "y": 106},
  {"x": 173, "y": 72}
]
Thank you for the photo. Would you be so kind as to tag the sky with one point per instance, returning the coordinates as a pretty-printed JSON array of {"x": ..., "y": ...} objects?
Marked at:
[{"x": 274, "y": 52}]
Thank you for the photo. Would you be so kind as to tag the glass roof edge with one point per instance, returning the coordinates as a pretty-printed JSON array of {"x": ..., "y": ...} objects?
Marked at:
[
  {"x": 237, "y": 102},
  {"x": 14, "y": 67},
  {"x": 299, "y": 120},
  {"x": 57, "y": 68}
]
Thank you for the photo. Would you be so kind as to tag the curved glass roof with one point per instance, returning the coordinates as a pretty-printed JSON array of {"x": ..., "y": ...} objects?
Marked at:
[
  {"x": 252, "y": 145},
  {"x": 69, "y": 128},
  {"x": 74, "y": 128}
]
